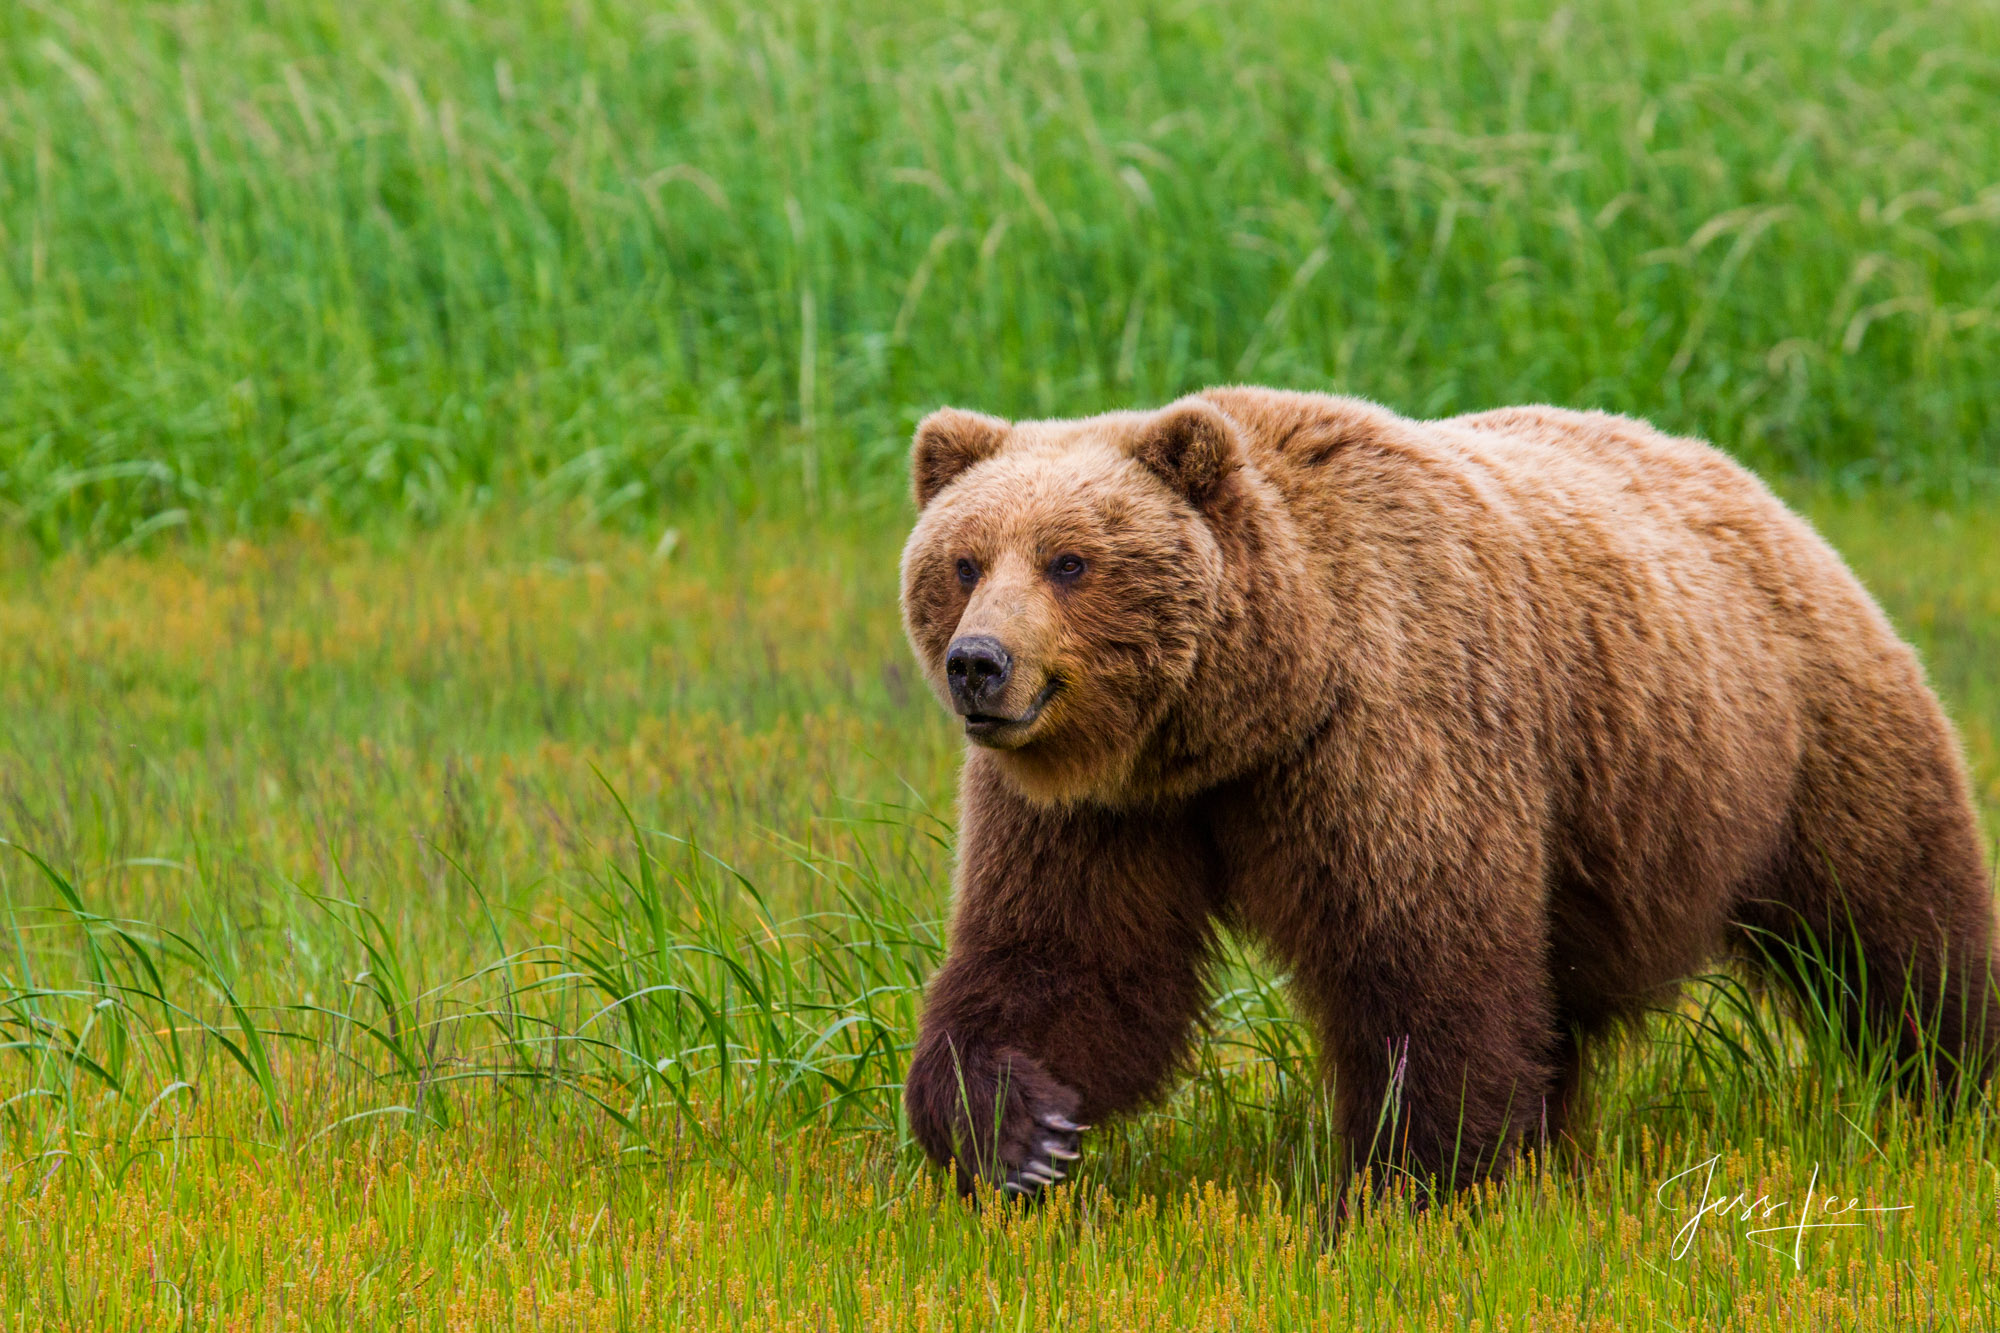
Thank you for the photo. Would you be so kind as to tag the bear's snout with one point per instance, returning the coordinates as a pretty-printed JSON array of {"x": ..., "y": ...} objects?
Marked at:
[{"x": 977, "y": 667}]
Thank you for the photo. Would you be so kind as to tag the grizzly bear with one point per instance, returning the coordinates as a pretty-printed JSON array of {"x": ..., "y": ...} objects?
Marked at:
[{"x": 1488, "y": 730}]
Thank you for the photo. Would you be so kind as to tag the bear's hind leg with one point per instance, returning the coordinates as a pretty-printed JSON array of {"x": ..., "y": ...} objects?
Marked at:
[
  {"x": 1559, "y": 1104},
  {"x": 1877, "y": 914}
]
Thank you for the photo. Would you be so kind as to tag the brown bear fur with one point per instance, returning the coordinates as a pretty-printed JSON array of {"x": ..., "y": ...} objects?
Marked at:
[{"x": 1489, "y": 730}]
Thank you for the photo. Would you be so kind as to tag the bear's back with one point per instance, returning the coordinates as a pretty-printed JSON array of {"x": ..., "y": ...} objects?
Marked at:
[
  {"x": 1624, "y": 497},
  {"x": 1589, "y": 510},
  {"x": 1655, "y": 622}
]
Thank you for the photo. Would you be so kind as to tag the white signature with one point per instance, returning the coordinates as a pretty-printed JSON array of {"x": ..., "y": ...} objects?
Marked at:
[{"x": 1819, "y": 1212}]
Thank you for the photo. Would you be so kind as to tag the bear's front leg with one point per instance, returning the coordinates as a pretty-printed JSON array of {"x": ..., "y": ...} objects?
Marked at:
[
  {"x": 1444, "y": 1046},
  {"x": 995, "y": 1114},
  {"x": 1079, "y": 944}
]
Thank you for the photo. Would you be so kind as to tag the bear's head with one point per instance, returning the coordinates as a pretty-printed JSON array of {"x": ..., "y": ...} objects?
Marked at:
[{"x": 1061, "y": 580}]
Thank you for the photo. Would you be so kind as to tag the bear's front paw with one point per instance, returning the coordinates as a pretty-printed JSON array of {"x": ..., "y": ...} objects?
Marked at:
[
  {"x": 999, "y": 1119},
  {"x": 1051, "y": 1139}
]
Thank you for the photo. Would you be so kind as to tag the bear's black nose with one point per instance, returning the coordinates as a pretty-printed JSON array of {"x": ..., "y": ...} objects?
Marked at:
[{"x": 977, "y": 668}]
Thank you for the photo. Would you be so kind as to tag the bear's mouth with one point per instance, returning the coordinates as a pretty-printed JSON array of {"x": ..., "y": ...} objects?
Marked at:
[{"x": 982, "y": 726}]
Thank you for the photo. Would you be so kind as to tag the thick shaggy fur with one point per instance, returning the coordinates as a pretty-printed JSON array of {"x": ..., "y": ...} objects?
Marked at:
[{"x": 1488, "y": 729}]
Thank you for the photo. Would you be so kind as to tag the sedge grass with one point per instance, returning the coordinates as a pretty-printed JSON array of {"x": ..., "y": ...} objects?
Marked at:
[{"x": 517, "y": 926}]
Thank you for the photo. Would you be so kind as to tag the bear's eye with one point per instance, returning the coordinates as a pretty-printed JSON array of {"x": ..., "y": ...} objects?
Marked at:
[
  {"x": 968, "y": 573},
  {"x": 1066, "y": 568}
]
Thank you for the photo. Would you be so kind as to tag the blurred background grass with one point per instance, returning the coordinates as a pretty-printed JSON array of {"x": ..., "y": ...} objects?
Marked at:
[{"x": 367, "y": 260}]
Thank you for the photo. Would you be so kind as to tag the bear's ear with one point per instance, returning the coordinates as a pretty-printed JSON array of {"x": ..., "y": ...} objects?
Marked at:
[
  {"x": 948, "y": 442},
  {"x": 1192, "y": 446}
]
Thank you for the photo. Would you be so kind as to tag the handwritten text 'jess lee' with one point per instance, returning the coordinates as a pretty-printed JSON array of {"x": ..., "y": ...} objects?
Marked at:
[{"x": 1818, "y": 1212}]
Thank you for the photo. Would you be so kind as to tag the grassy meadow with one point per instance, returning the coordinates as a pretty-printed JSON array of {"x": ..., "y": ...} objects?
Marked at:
[
  {"x": 523, "y": 922},
  {"x": 262, "y": 258},
  {"x": 474, "y": 838}
]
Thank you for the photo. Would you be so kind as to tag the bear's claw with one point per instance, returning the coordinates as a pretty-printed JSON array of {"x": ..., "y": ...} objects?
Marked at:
[
  {"x": 996, "y": 1116},
  {"x": 1042, "y": 1167}
]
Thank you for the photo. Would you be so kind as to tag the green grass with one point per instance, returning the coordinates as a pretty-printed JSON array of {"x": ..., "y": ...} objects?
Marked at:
[
  {"x": 269, "y": 257},
  {"x": 511, "y": 926}
]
